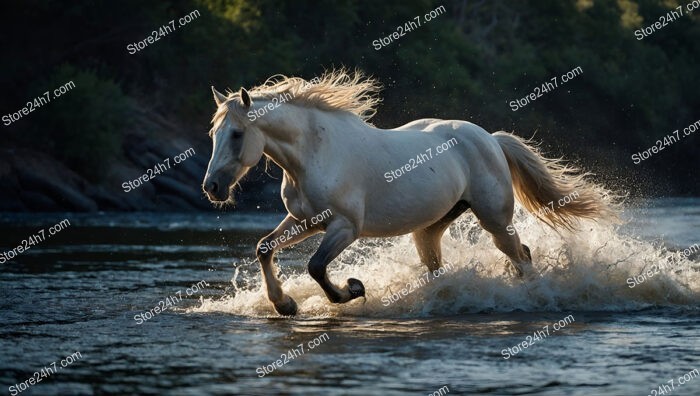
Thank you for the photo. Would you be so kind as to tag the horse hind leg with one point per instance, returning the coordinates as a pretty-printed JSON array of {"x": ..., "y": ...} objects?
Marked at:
[
  {"x": 427, "y": 240},
  {"x": 519, "y": 254},
  {"x": 496, "y": 218}
]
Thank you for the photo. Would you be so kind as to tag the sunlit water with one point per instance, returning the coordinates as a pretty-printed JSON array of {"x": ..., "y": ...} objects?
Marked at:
[{"x": 81, "y": 290}]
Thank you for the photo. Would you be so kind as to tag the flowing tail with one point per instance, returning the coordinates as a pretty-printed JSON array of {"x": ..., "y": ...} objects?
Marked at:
[{"x": 557, "y": 193}]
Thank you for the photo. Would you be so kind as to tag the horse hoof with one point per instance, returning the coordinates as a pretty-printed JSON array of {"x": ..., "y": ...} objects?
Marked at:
[
  {"x": 527, "y": 274},
  {"x": 527, "y": 251},
  {"x": 287, "y": 308},
  {"x": 356, "y": 288},
  {"x": 519, "y": 273}
]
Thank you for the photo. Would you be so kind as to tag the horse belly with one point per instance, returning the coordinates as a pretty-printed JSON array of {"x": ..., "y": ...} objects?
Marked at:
[{"x": 416, "y": 202}]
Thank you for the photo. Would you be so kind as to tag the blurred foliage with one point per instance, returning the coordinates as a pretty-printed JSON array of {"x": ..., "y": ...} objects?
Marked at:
[
  {"x": 84, "y": 126},
  {"x": 467, "y": 63}
]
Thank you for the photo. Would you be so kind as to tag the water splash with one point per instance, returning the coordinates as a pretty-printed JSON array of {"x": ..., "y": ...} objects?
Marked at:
[{"x": 587, "y": 270}]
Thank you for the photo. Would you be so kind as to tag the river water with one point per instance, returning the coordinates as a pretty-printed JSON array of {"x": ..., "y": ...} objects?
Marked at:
[{"x": 93, "y": 288}]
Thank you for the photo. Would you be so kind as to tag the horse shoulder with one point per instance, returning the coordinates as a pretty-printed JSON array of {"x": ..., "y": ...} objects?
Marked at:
[{"x": 292, "y": 197}]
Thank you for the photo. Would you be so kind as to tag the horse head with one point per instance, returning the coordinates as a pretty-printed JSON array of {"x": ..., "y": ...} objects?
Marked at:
[{"x": 237, "y": 145}]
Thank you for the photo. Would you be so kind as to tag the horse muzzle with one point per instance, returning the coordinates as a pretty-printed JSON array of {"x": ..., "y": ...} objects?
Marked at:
[{"x": 216, "y": 188}]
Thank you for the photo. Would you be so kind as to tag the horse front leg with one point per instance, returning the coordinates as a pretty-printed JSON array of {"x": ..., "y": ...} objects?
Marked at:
[
  {"x": 339, "y": 235},
  {"x": 267, "y": 246}
]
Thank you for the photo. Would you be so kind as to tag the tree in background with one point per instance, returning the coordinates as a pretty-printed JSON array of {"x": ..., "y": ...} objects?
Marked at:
[{"x": 466, "y": 64}]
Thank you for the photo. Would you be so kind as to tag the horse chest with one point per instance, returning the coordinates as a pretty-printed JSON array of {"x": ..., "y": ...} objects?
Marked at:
[{"x": 295, "y": 201}]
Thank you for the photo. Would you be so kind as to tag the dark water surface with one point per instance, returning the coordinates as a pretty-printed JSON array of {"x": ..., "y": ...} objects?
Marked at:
[{"x": 80, "y": 290}]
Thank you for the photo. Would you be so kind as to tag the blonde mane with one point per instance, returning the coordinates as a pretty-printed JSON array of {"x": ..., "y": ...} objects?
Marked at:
[{"x": 334, "y": 90}]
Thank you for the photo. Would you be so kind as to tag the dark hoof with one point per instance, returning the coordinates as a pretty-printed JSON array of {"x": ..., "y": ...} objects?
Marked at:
[
  {"x": 527, "y": 274},
  {"x": 527, "y": 251},
  {"x": 356, "y": 288},
  {"x": 518, "y": 271},
  {"x": 287, "y": 308}
]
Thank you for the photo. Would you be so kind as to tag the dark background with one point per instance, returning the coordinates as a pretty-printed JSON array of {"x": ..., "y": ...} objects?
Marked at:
[{"x": 129, "y": 112}]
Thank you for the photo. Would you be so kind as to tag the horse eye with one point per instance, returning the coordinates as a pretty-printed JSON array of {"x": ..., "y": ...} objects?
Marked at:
[{"x": 237, "y": 134}]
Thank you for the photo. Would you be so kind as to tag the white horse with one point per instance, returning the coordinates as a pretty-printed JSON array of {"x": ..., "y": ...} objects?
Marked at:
[{"x": 417, "y": 178}]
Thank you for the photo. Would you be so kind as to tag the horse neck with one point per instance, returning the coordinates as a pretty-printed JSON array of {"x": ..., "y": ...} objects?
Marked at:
[
  {"x": 294, "y": 134},
  {"x": 286, "y": 130}
]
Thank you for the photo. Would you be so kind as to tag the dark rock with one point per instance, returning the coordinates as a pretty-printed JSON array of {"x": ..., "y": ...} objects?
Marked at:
[
  {"x": 107, "y": 200},
  {"x": 11, "y": 202},
  {"x": 62, "y": 194},
  {"x": 191, "y": 171},
  {"x": 39, "y": 202},
  {"x": 172, "y": 202},
  {"x": 188, "y": 193}
]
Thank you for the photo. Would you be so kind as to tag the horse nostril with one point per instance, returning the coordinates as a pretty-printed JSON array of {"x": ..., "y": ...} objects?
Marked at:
[{"x": 211, "y": 187}]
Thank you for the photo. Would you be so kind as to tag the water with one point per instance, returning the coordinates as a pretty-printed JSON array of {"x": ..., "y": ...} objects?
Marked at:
[{"x": 80, "y": 290}]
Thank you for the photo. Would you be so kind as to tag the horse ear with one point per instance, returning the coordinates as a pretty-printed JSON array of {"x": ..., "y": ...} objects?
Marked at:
[
  {"x": 245, "y": 98},
  {"x": 219, "y": 98}
]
